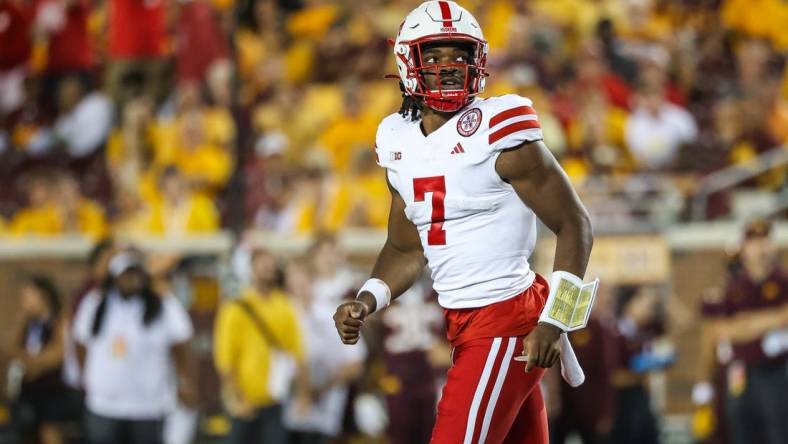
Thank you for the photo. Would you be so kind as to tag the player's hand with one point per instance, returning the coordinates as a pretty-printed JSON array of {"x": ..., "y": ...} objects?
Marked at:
[
  {"x": 348, "y": 319},
  {"x": 541, "y": 346}
]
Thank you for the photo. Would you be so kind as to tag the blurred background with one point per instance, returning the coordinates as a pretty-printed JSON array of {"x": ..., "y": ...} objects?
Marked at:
[{"x": 230, "y": 144}]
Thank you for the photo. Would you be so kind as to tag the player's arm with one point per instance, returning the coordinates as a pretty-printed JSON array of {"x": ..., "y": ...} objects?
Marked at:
[
  {"x": 542, "y": 185},
  {"x": 399, "y": 264}
]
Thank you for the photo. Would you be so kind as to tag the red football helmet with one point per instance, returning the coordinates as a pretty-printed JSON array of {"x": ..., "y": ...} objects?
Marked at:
[{"x": 435, "y": 22}]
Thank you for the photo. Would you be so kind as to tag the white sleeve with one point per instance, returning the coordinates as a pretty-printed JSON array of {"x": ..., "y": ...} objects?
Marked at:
[
  {"x": 83, "y": 320},
  {"x": 513, "y": 122},
  {"x": 176, "y": 320},
  {"x": 87, "y": 127}
]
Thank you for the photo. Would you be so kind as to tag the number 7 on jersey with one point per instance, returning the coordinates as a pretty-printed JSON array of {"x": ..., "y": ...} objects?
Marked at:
[{"x": 437, "y": 186}]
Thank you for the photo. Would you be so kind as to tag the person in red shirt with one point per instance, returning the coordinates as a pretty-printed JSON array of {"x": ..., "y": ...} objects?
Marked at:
[
  {"x": 200, "y": 41},
  {"x": 15, "y": 20},
  {"x": 137, "y": 41},
  {"x": 65, "y": 23}
]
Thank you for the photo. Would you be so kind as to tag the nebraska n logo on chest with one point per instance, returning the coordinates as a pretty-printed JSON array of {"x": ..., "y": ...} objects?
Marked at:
[{"x": 469, "y": 122}]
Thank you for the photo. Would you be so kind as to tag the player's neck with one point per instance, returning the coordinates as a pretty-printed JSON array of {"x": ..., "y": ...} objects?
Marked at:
[{"x": 431, "y": 120}]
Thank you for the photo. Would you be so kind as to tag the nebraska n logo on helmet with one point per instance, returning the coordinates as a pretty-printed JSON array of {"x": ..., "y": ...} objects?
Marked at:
[{"x": 435, "y": 22}]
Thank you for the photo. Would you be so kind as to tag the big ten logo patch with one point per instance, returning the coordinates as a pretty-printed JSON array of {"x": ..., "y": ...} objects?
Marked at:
[
  {"x": 469, "y": 122},
  {"x": 395, "y": 155}
]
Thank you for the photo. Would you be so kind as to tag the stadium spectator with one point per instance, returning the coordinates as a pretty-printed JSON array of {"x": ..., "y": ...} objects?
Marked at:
[
  {"x": 38, "y": 350},
  {"x": 257, "y": 342},
  {"x": 334, "y": 279},
  {"x": 78, "y": 214},
  {"x": 137, "y": 41},
  {"x": 198, "y": 140},
  {"x": 595, "y": 349},
  {"x": 61, "y": 27},
  {"x": 129, "y": 153},
  {"x": 40, "y": 216},
  {"x": 98, "y": 261},
  {"x": 16, "y": 17},
  {"x": 352, "y": 131},
  {"x": 414, "y": 353},
  {"x": 295, "y": 208},
  {"x": 29, "y": 125},
  {"x": 709, "y": 425},
  {"x": 359, "y": 198},
  {"x": 639, "y": 325},
  {"x": 765, "y": 20},
  {"x": 597, "y": 135},
  {"x": 593, "y": 73},
  {"x": 130, "y": 339},
  {"x": 332, "y": 368},
  {"x": 200, "y": 41},
  {"x": 84, "y": 118},
  {"x": 56, "y": 206},
  {"x": 656, "y": 129},
  {"x": 179, "y": 211},
  {"x": 756, "y": 316}
]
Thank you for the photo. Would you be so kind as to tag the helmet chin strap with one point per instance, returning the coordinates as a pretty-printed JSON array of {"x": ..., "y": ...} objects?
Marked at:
[{"x": 445, "y": 105}]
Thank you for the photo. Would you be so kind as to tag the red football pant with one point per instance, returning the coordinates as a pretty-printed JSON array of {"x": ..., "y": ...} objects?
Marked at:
[{"x": 488, "y": 397}]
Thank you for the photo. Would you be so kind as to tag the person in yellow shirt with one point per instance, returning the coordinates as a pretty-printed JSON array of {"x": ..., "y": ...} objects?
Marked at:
[
  {"x": 130, "y": 152},
  {"x": 352, "y": 132},
  {"x": 41, "y": 216},
  {"x": 79, "y": 214},
  {"x": 256, "y": 338},
  {"x": 361, "y": 199},
  {"x": 179, "y": 211},
  {"x": 198, "y": 142}
]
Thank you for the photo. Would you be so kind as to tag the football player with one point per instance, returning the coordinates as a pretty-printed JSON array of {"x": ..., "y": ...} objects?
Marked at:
[{"x": 469, "y": 177}]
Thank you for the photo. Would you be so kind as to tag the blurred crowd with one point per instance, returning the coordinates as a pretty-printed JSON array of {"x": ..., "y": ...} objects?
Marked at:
[
  {"x": 160, "y": 117},
  {"x": 129, "y": 356}
]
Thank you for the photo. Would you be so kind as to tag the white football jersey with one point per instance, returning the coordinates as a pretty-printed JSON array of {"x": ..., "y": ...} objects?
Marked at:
[{"x": 476, "y": 232}]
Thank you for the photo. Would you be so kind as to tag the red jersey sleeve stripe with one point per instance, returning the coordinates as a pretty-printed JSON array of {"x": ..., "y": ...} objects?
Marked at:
[
  {"x": 509, "y": 129},
  {"x": 446, "y": 14},
  {"x": 509, "y": 113}
]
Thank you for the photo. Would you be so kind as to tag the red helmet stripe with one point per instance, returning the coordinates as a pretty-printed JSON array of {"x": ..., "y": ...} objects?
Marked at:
[{"x": 446, "y": 14}]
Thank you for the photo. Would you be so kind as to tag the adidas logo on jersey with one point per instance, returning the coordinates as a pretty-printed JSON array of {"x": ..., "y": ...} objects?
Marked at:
[{"x": 458, "y": 149}]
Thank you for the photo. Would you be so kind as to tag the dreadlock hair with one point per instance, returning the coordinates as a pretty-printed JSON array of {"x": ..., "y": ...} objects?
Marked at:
[
  {"x": 150, "y": 299},
  {"x": 410, "y": 108}
]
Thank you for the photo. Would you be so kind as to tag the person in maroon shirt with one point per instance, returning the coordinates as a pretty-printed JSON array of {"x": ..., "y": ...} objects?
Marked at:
[
  {"x": 595, "y": 349},
  {"x": 708, "y": 393},
  {"x": 640, "y": 323},
  {"x": 412, "y": 344},
  {"x": 756, "y": 324},
  {"x": 15, "y": 22}
]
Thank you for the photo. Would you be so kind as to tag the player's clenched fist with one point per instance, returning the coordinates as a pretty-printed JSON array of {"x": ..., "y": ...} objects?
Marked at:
[
  {"x": 541, "y": 346},
  {"x": 349, "y": 319}
]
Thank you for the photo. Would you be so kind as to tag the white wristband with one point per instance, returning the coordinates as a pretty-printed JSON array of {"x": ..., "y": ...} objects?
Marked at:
[
  {"x": 553, "y": 299},
  {"x": 380, "y": 290}
]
